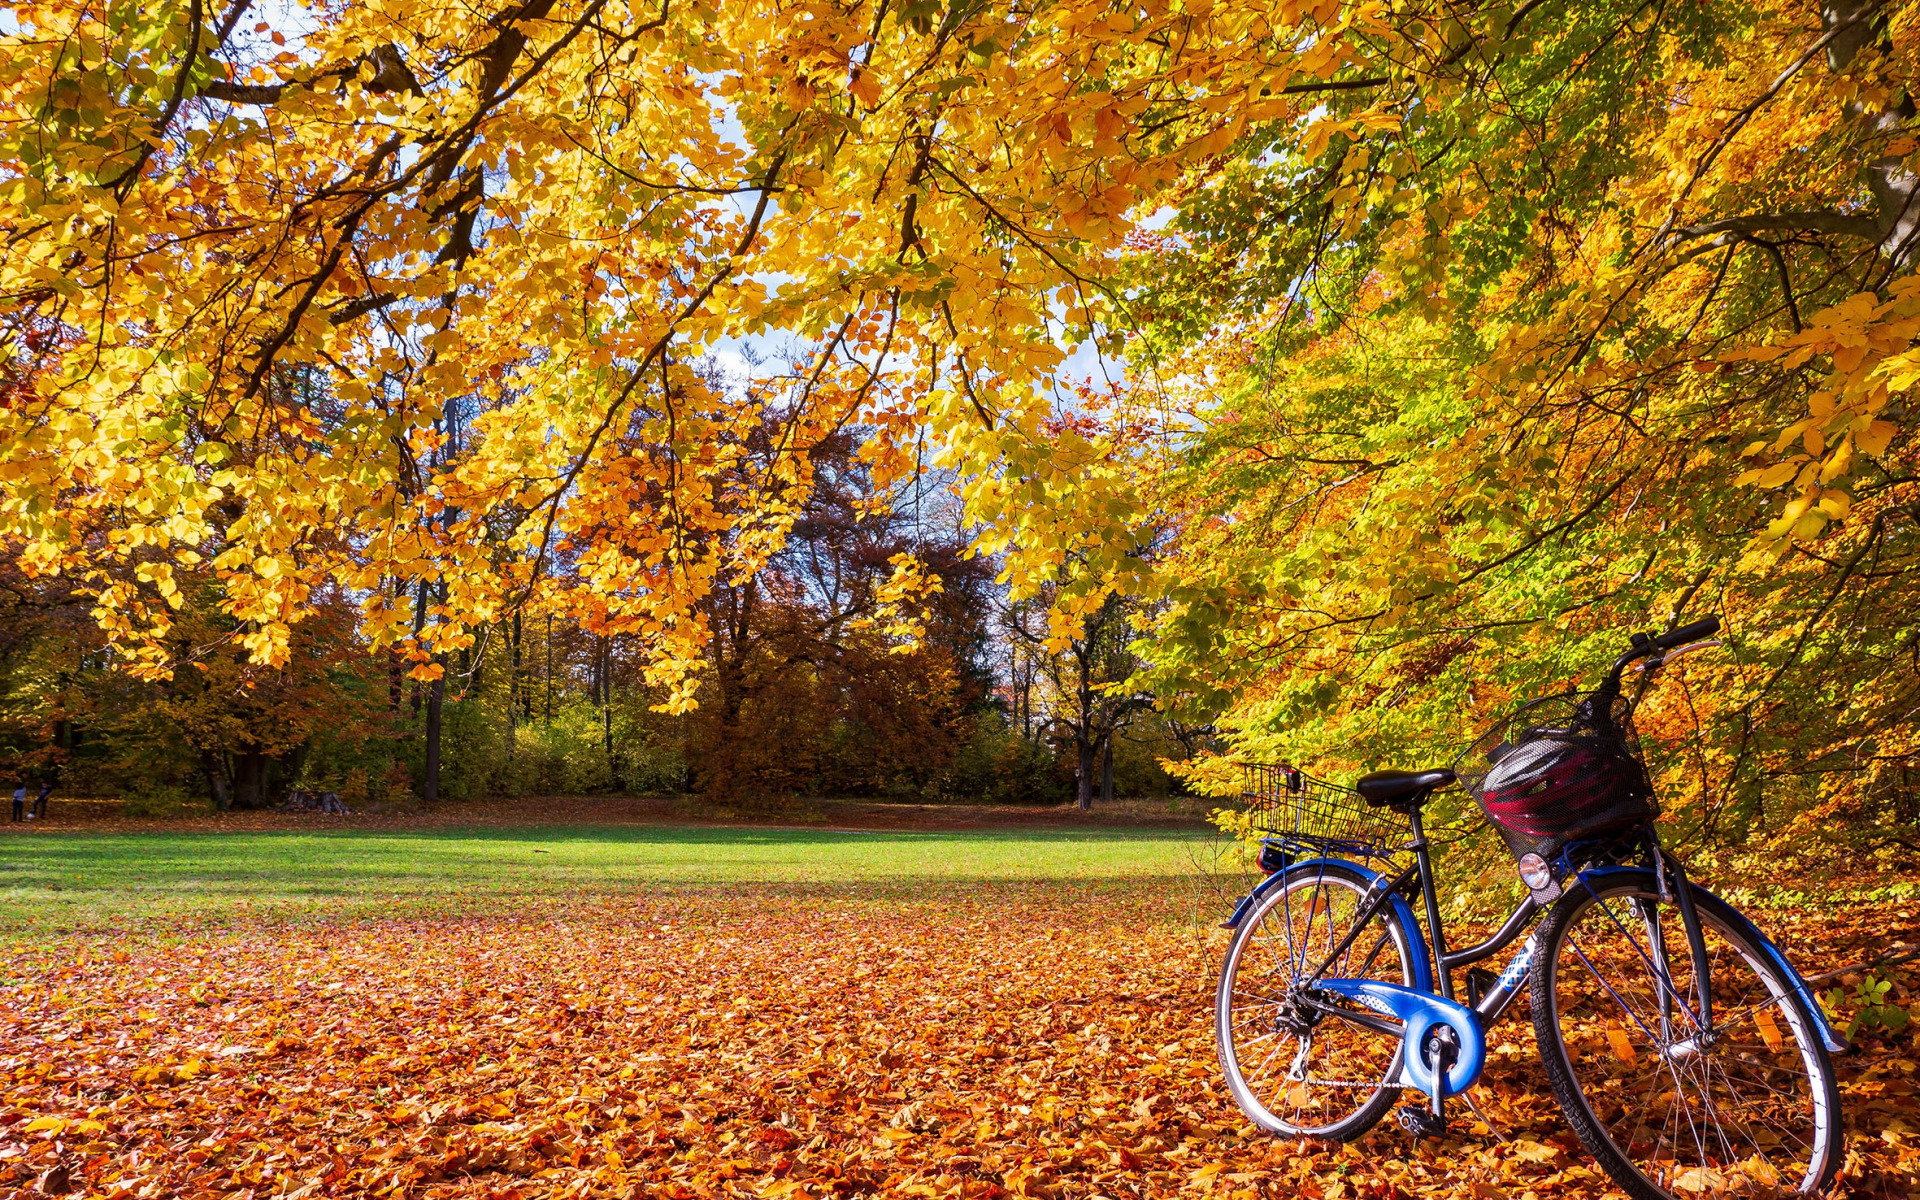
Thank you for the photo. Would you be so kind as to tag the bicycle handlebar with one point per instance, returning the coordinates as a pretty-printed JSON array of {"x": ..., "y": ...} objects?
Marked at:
[
  {"x": 1703, "y": 628},
  {"x": 1644, "y": 644}
]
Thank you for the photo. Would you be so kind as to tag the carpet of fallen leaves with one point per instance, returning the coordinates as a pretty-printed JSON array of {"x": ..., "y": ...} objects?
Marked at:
[{"x": 1026, "y": 1040}]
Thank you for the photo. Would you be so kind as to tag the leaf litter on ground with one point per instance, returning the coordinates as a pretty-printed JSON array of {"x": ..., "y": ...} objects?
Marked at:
[{"x": 1039, "y": 1040}]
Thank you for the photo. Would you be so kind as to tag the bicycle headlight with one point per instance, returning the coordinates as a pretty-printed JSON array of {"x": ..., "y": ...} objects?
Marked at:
[{"x": 1534, "y": 872}]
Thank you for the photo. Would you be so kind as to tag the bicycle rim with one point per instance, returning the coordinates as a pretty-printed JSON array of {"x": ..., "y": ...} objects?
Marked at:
[
  {"x": 1750, "y": 1110},
  {"x": 1291, "y": 1071}
]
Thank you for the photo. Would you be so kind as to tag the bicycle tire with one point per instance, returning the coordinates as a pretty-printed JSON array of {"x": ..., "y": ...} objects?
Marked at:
[
  {"x": 1280, "y": 899},
  {"x": 1737, "y": 1138}
]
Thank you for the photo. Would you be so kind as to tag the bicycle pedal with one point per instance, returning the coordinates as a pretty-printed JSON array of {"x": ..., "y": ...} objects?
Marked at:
[{"x": 1421, "y": 1123}]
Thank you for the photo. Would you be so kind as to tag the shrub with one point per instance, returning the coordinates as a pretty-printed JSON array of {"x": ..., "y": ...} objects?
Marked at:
[{"x": 163, "y": 800}]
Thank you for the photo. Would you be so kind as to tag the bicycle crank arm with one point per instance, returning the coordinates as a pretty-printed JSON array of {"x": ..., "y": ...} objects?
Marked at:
[{"x": 1420, "y": 1013}]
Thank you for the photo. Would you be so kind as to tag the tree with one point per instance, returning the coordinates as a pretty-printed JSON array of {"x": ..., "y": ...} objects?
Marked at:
[
  {"x": 1466, "y": 315},
  {"x": 544, "y": 209},
  {"x": 813, "y": 683},
  {"x": 1498, "y": 357},
  {"x": 1087, "y": 687}
]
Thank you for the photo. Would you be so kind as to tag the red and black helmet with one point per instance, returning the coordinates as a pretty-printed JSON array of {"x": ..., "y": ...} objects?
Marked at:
[{"x": 1548, "y": 786}]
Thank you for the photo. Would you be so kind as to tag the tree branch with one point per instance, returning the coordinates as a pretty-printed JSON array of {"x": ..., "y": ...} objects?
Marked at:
[{"x": 1849, "y": 225}]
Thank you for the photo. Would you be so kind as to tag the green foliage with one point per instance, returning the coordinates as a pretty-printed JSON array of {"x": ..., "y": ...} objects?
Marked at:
[
  {"x": 998, "y": 766},
  {"x": 1870, "y": 1006},
  {"x": 561, "y": 757},
  {"x": 158, "y": 799}
]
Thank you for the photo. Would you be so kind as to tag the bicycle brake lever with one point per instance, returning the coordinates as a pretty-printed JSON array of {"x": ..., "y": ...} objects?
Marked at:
[{"x": 1648, "y": 664}]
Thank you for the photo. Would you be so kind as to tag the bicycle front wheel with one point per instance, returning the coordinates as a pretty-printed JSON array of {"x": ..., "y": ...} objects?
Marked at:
[
  {"x": 1747, "y": 1107},
  {"x": 1291, "y": 1068}
]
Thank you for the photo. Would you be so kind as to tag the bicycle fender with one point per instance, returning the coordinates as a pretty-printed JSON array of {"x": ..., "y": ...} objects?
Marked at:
[
  {"x": 1422, "y": 1011},
  {"x": 1402, "y": 912},
  {"x": 1834, "y": 1043}
]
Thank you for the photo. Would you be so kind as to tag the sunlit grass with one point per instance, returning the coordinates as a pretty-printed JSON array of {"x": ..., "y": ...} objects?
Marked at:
[{"x": 52, "y": 883}]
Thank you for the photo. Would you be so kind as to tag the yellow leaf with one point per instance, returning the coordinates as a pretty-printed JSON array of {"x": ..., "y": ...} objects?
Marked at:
[
  {"x": 1699, "y": 1179},
  {"x": 1837, "y": 462},
  {"x": 1622, "y": 1045},
  {"x": 1874, "y": 440}
]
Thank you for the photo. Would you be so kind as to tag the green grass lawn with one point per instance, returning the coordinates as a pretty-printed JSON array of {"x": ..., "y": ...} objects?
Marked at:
[{"x": 59, "y": 882}]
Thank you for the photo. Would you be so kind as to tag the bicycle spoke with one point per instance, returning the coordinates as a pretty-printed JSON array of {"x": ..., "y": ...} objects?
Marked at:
[
  {"x": 1289, "y": 1063},
  {"x": 1620, "y": 1000},
  {"x": 1664, "y": 980},
  {"x": 1734, "y": 1112}
]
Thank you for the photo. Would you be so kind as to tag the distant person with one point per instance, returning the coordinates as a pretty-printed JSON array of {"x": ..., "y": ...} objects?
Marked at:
[
  {"x": 40, "y": 801},
  {"x": 19, "y": 801}
]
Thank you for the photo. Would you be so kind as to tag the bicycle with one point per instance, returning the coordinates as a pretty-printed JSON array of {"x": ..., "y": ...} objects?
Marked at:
[{"x": 1684, "y": 1049}]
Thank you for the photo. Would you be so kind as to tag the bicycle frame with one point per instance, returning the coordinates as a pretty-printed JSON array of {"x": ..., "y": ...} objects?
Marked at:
[{"x": 1437, "y": 964}]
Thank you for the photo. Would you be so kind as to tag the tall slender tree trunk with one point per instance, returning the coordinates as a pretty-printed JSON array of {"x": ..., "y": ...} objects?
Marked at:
[
  {"x": 1083, "y": 735},
  {"x": 1106, "y": 770},
  {"x": 436, "y": 696},
  {"x": 606, "y": 708},
  {"x": 513, "y": 686},
  {"x": 1083, "y": 771},
  {"x": 516, "y": 686},
  {"x": 436, "y": 692}
]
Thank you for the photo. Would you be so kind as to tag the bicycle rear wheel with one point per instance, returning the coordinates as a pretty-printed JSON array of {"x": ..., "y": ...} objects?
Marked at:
[
  {"x": 1290, "y": 1068},
  {"x": 1750, "y": 1109}
]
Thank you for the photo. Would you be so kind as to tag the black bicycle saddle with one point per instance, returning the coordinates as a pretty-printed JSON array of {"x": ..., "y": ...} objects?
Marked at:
[{"x": 1383, "y": 789}]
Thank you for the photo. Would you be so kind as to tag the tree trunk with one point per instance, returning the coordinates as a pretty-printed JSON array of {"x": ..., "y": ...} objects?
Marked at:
[
  {"x": 1083, "y": 732},
  {"x": 1106, "y": 771},
  {"x": 1083, "y": 773},
  {"x": 218, "y": 786},
  {"x": 511, "y": 717},
  {"x": 436, "y": 697},
  {"x": 436, "y": 691},
  {"x": 606, "y": 709},
  {"x": 516, "y": 694},
  {"x": 1853, "y": 25},
  {"x": 249, "y": 776}
]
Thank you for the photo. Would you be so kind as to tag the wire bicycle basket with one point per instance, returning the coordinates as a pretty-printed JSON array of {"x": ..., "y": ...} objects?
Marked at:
[
  {"x": 1304, "y": 816},
  {"x": 1558, "y": 770}
]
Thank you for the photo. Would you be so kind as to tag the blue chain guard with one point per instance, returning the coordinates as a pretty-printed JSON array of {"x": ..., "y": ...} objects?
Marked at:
[{"x": 1421, "y": 1011}]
